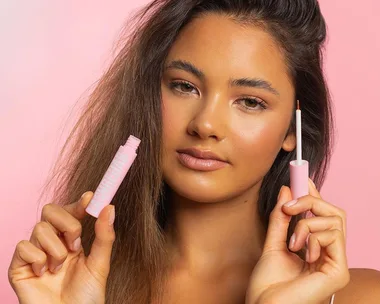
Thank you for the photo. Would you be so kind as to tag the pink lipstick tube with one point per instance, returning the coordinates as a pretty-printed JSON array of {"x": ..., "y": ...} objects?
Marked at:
[{"x": 114, "y": 176}]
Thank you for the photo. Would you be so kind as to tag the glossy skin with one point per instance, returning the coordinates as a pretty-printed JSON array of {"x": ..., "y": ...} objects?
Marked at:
[{"x": 209, "y": 114}]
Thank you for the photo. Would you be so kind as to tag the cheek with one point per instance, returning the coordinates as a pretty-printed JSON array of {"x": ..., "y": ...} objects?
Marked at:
[
  {"x": 173, "y": 118},
  {"x": 257, "y": 143}
]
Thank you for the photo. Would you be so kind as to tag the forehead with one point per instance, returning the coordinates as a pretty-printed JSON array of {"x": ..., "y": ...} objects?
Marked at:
[{"x": 220, "y": 46}]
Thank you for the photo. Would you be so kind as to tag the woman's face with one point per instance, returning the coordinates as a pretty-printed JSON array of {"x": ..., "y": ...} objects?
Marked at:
[{"x": 225, "y": 89}]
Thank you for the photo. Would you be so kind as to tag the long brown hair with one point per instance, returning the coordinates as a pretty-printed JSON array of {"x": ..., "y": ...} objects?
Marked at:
[{"x": 127, "y": 100}]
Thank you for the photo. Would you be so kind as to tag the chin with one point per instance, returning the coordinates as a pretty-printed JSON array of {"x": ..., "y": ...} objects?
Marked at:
[
  {"x": 201, "y": 189},
  {"x": 204, "y": 196}
]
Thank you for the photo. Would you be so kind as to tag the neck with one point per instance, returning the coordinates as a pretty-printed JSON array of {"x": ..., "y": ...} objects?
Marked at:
[{"x": 209, "y": 238}]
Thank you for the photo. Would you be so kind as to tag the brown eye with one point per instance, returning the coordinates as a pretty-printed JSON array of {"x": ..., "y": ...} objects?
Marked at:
[
  {"x": 182, "y": 87},
  {"x": 250, "y": 103},
  {"x": 253, "y": 104},
  {"x": 186, "y": 87}
]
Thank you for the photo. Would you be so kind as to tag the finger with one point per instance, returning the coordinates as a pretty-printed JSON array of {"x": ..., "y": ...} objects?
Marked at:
[
  {"x": 313, "y": 250},
  {"x": 65, "y": 220},
  {"x": 332, "y": 242},
  {"x": 306, "y": 226},
  {"x": 328, "y": 278},
  {"x": 77, "y": 209},
  {"x": 25, "y": 255},
  {"x": 64, "y": 224},
  {"x": 276, "y": 237},
  {"x": 44, "y": 238},
  {"x": 313, "y": 190},
  {"x": 100, "y": 254},
  {"x": 321, "y": 283},
  {"x": 317, "y": 206}
]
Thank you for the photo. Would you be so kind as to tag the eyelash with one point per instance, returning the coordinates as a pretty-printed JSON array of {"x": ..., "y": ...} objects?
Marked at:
[{"x": 262, "y": 104}]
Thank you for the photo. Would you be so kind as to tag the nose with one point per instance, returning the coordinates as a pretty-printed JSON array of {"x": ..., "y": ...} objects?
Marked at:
[{"x": 209, "y": 120}]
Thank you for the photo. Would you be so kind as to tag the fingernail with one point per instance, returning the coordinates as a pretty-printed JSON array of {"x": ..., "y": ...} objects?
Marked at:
[
  {"x": 307, "y": 239},
  {"x": 76, "y": 244},
  {"x": 309, "y": 214},
  {"x": 291, "y": 203},
  {"x": 292, "y": 241},
  {"x": 111, "y": 215},
  {"x": 36, "y": 271},
  {"x": 43, "y": 270},
  {"x": 57, "y": 268},
  {"x": 83, "y": 194}
]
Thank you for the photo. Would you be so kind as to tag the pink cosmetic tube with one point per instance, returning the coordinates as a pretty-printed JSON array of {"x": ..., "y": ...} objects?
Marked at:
[
  {"x": 114, "y": 176},
  {"x": 299, "y": 181},
  {"x": 299, "y": 178}
]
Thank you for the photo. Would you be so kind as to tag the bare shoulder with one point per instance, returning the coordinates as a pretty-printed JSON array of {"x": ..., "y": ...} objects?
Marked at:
[{"x": 364, "y": 287}]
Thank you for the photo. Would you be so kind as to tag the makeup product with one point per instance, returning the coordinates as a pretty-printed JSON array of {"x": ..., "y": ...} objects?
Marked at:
[
  {"x": 113, "y": 177},
  {"x": 299, "y": 168}
]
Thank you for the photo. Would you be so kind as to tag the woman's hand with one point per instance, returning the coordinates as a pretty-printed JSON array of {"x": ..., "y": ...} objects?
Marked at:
[
  {"x": 51, "y": 267},
  {"x": 280, "y": 276}
]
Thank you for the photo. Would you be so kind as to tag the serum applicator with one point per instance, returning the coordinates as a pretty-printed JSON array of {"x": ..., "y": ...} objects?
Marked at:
[
  {"x": 113, "y": 177},
  {"x": 299, "y": 168}
]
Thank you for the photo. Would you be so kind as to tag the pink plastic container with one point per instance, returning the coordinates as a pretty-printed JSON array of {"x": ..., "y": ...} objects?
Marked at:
[
  {"x": 299, "y": 181},
  {"x": 299, "y": 178},
  {"x": 114, "y": 176}
]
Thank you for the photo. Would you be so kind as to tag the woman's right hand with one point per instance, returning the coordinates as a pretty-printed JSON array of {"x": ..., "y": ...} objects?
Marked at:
[{"x": 52, "y": 268}]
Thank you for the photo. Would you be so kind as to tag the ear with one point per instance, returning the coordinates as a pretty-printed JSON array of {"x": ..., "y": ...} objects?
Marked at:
[{"x": 290, "y": 142}]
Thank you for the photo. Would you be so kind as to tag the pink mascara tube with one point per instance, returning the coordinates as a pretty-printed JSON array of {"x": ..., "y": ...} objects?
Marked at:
[{"x": 114, "y": 176}]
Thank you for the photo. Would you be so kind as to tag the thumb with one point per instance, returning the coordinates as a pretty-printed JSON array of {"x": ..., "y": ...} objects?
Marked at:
[
  {"x": 100, "y": 254},
  {"x": 278, "y": 223}
]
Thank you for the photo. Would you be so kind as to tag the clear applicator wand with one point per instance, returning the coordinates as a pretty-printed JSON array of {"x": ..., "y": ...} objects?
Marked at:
[{"x": 299, "y": 168}]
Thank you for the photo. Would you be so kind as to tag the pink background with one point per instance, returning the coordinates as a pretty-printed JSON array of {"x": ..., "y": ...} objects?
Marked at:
[{"x": 53, "y": 51}]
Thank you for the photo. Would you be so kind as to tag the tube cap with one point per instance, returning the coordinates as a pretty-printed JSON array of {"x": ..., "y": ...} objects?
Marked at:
[
  {"x": 299, "y": 178},
  {"x": 133, "y": 142}
]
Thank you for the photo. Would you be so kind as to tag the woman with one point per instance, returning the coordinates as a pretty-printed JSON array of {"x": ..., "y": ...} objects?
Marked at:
[{"x": 200, "y": 79}]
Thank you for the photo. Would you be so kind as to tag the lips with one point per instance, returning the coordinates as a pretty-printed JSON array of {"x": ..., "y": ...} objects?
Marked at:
[
  {"x": 200, "y": 160},
  {"x": 202, "y": 154}
]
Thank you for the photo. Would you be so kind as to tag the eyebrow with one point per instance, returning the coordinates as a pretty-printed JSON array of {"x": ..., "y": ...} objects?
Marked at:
[{"x": 241, "y": 82}]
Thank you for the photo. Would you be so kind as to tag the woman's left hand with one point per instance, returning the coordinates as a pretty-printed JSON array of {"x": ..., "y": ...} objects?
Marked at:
[{"x": 280, "y": 276}]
